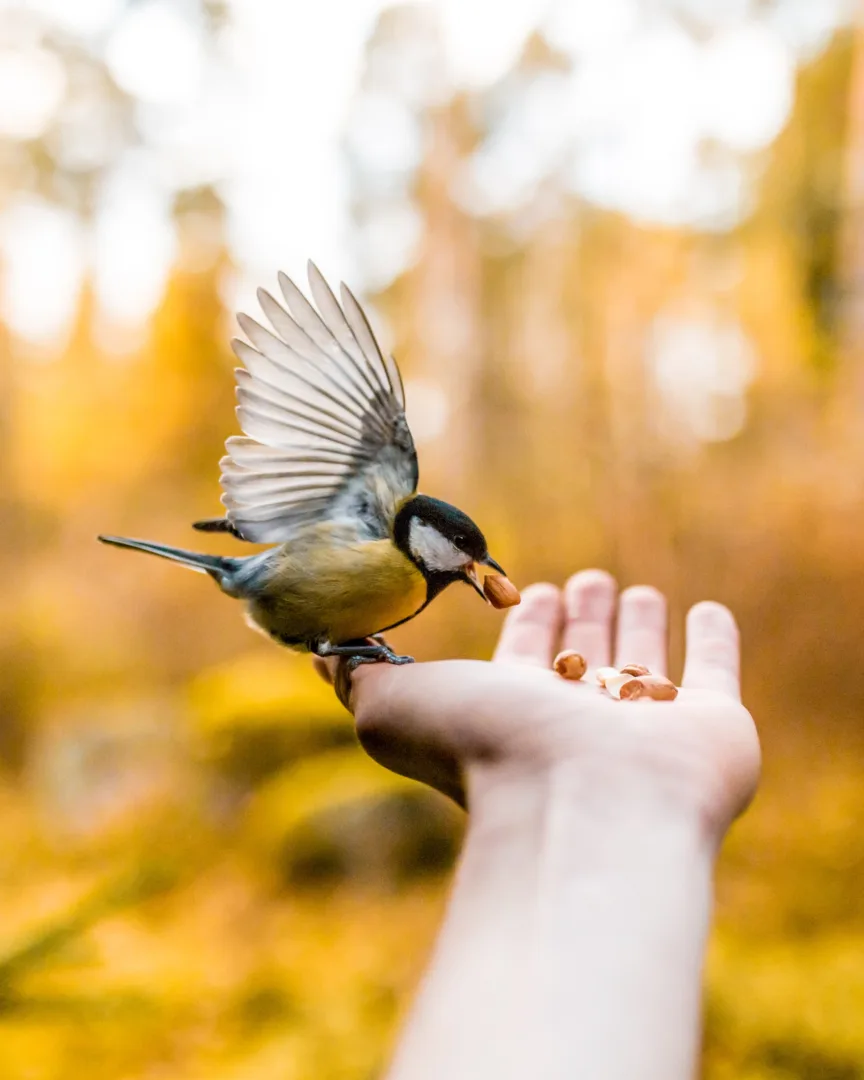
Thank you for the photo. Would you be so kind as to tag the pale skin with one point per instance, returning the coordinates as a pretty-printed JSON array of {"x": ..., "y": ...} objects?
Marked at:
[{"x": 574, "y": 939}]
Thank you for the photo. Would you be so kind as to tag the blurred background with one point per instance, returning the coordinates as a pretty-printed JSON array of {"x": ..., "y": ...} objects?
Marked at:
[{"x": 618, "y": 250}]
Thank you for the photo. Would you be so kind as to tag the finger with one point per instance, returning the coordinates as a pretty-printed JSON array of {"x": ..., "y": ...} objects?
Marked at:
[
  {"x": 397, "y": 728},
  {"x": 589, "y": 604},
  {"x": 531, "y": 630},
  {"x": 370, "y": 688},
  {"x": 334, "y": 671},
  {"x": 712, "y": 660},
  {"x": 641, "y": 637}
]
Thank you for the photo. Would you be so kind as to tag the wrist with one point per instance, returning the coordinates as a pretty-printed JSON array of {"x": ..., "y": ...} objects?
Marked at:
[
  {"x": 580, "y": 908},
  {"x": 618, "y": 809},
  {"x": 604, "y": 900}
]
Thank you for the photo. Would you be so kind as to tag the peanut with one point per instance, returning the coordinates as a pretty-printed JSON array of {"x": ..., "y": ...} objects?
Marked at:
[
  {"x": 617, "y": 683},
  {"x": 570, "y": 664},
  {"x": 500, "y": 591},
  {"x": 634, "y": 669},
  {"x": 655, "y": 687},
  {"x": 604, "y": 673}
]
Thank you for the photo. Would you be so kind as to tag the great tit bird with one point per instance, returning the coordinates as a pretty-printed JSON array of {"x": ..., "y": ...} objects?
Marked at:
[{"x": 327, "y": 470}]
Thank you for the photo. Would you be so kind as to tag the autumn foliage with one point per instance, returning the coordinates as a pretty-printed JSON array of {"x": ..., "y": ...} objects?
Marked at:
[{"x": 202, "y": 874}]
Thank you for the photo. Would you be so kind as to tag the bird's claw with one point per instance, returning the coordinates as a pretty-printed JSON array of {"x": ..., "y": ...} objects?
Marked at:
[
  {"x": 371, "y": 650},
  {"x": 384, "y": 656},
  {"x": 388, "y": 656},
  {"x": 351, "y": 657}
]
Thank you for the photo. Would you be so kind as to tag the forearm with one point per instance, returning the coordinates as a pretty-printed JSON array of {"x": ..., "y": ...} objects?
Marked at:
[{"x": 574, "y": 941}]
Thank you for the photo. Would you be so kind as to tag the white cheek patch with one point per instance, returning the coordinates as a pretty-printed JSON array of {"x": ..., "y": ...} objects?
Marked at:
[{"x": 432, "y": 549}]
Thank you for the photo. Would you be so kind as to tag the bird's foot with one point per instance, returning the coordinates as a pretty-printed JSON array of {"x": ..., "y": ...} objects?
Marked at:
[
  {"x": 373, "y": 650},
  {"x": 386, "y": 656},
  {"x": 395, "y": 658}
]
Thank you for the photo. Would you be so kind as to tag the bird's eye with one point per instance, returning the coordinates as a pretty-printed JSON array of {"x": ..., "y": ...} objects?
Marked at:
[{"x": 459, "y": 540}]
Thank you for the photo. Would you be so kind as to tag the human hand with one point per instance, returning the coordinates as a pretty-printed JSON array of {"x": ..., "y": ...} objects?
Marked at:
[{"x": 461, "y": 726}]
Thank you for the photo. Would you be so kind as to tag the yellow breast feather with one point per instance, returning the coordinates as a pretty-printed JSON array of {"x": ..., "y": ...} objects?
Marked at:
[{"x": 339, "y": 593}]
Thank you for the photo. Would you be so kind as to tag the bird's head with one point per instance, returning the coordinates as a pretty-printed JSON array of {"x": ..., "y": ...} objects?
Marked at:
[{"x": 443, "y": 542}]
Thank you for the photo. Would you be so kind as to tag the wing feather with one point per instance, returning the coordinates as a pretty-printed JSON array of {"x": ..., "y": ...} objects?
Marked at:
[
  {"x": 311, "y": 324},
  {"x": 309, "y": 432},
  {"x": 247, "y": 453},
  {"x": 363, "y": 335},
  {"x": 396, "y": 380},
  {"x": 343, "y": 375},
  {"x": 333, "y": 315},
  {"x": 322, "y": 410},
  {"x": 251, "y": 389},
  {"x": 262, "y": 487},
  {"x": 319, "y": 372},
  {"x": 341, "y": 326},
  {"x": 277, "y": 512},
  {"x": 273, "y": 362}
]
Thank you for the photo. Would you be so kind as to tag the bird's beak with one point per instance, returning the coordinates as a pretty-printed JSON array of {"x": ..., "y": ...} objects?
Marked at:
[
  {"x": 473, "y": 578},
  {"x": 489, "y": 561}
]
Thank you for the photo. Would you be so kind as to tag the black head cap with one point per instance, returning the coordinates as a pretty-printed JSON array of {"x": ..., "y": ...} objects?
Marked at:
[{"x": 442, "y": 540}]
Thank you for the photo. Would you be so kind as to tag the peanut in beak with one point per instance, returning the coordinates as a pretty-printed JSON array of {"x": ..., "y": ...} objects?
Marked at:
[
  {"x": 496, "y": 589},
  {"x": 500, "y": 591}
]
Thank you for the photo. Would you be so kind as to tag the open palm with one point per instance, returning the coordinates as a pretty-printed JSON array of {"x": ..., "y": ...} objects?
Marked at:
[{"x": 454, "y": 724}]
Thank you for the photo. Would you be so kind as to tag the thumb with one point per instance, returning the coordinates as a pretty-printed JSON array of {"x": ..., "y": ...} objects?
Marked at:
[
  {"x": 395, "y": 724},
  {"x": 336, "y": 673}
]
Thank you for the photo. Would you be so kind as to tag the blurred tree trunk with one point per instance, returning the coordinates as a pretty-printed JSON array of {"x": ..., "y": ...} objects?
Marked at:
[{"x": 445, "y": 334}]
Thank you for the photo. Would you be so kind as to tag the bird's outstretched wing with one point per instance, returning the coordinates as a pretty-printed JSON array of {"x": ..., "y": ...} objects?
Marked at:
[{"x": 323, "y": 415}]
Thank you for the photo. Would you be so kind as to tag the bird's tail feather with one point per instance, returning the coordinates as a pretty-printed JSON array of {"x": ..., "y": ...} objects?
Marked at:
[
  {"x": 216, "y": 525},
  {"x": 217, "y": 566}
]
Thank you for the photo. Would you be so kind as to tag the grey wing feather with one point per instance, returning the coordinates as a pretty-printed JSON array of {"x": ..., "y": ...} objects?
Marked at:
[{"x": 323, "y": 416}]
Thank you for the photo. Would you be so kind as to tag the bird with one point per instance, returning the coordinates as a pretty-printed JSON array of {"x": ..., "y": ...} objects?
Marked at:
[{"x": 326, "y": 473}]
